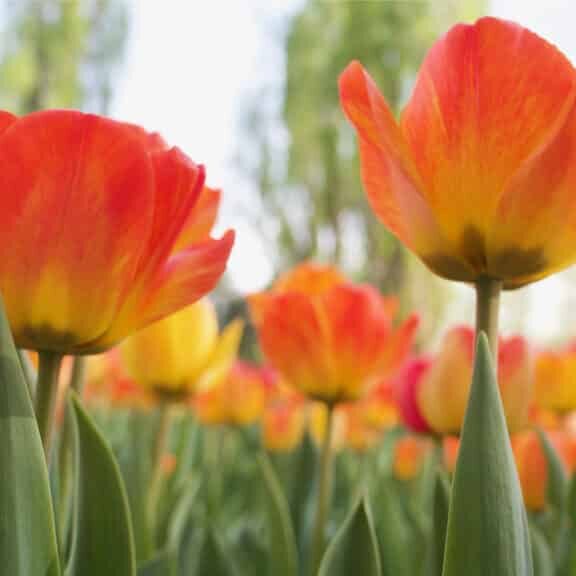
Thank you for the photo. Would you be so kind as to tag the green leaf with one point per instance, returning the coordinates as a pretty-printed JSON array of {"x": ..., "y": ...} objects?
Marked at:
[
  {"x": 440, "y": 524},
  {"x": 354, "y": 549},
  {"x": 541, "y": 553},
  {"x": 163, "y": 564},
  {"x": 394, "y": 531},
  {"x": 213, "y": 559},
  {"x": 282, "y": 543},
  {"x": 103, "y": 543},
  {"x": 487, "y": 527},
  {"x": 27, "y": 530},
  {"x": 557, "y": 488}
]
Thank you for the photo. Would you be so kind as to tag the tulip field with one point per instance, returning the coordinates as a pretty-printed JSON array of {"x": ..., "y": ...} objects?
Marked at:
[{"x": 150, "y": 428}]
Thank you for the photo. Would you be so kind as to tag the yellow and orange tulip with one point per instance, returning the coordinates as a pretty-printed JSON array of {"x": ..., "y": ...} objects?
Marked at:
[
  {"x": 481, "y": 165},
  {"x": 91, "y": 211},
  {"x": 330, "y": 339}
]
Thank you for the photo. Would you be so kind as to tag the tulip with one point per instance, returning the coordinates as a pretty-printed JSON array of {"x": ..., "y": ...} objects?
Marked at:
[
  {"x": 555, "y": 380},
  {"x": 330, "y": 339},
  {"x": 409, "y": 454},
  {"x": 533, "y": 467},
  {"x": 90, "y": 215},
  {"x": 108, "y": 384},
  {"x": 238, "y": 400},
  {"x": 283, "y": 425},
  {"x": 183, "y": 352},
  {"x": 480, "y": 167},
  {"x": 436, "y": 396}
]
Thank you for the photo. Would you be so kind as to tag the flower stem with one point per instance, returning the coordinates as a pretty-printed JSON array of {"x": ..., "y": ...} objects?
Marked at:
[
  {"x": 46, "y": 392},
  {"x": 160, "y": 443},
  {"x": 487, "y": 307},
  {"x": 324, "y": 491}
]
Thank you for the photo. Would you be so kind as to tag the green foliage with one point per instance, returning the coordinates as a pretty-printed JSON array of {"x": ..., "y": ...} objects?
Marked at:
[
  {"x": 487, "y": 527},
  {"x": 27, "y": 527},
  {"x": 103, "y": 541},
  {"x": 354, "y": 549},
  {"x": 60, "y": 53}
]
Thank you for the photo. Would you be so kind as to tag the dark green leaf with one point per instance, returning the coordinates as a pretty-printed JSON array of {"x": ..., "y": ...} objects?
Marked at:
[
  {"x": 103, "y": 543},
  {"x": 282, "y": 544},
  {"x": 487, "y": 528},
  {"x": 213, "y": 560},
  {"x": 354, "y": 549},
  {"x": 440, "y": 524},
  {"x": 27, "y": 529}
]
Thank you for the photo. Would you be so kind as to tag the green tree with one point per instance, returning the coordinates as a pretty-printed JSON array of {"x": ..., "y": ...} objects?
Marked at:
[{"x": 60, "y": 53}]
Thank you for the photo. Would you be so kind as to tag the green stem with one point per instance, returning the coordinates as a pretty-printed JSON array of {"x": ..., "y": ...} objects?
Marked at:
[
  {"x": 78, "y": 372},
  {"x": 160, "y": 443},
  {"x": 324, "y": 491},
  {"x": 46, "y": 392},
  {"x": 487, "y": 307}
]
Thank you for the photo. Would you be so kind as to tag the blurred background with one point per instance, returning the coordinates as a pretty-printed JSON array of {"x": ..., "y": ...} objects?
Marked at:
[{"x": 249, "y": 88}]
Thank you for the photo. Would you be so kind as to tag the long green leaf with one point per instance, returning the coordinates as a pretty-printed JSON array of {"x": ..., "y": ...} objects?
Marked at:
[
  {"x": 282, "y": 543},
  {"x": 27, "y": 530},
  {"x": 354, "y": 549},
  {"x": 440, "y": 522},
  {"x": 103, "y": 543},
  {"x": 487, "y": 528}
]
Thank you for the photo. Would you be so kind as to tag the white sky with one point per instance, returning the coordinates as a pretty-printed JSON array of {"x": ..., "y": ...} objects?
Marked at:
[{"x": 191, "y": 63}]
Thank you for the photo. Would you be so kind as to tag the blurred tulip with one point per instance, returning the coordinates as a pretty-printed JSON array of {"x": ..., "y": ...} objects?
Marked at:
[
  {"x": 450, "y": 445},
  {"x": 108, "y": 384},
  {"x": 238, "y": 400},
  {"x": 409, "y": 454},
  {"x": 90, "y": 215},
  {"x": 330, "y": 339},
  {"x": 435, "y": 393},
  {"x": 532, "y": 465},
  {"x": 183, "y": 352},
  {"x": 555, "y": 380},
  {"x": 481, "y": 166},
  {"x": 283, "y": 425},
  {"x": 317, "y": 418}
]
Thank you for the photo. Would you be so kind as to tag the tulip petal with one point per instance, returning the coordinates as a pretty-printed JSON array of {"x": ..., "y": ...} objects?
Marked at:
[
  {"x": 186, "y": 277},
  {"x": 201, "y": 219},
  {"x": 538, "y": 199},
  {"x": 361, "y": 332},
  {"x": 488, "y": 96},
  {"x": 86, "y": 217},
  {"x": 6, "y": 120},
  {"x": 391, "y": 180},
  {"x": 295, "y": 341}
]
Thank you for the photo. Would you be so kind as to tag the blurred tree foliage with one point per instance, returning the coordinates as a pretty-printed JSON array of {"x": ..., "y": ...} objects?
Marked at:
[
  {"x": 311, "y": 185},
  {"x": 60, "y": 53}
]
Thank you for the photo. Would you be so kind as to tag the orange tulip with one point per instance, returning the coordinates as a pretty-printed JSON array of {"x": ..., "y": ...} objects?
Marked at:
[
  {"x": 330, "y": 339},
  {"x": 239, "y": 400},
  {"x": 409, "y": 454},
  {"x": 183, "y": 352},
  {"x": 438, "y": 393},
  {"x": 91, "y": 211},
  {"x": 481, "y": 166},
  {"x": 283, "y": 424},
  {"x": 532, "y": 465},
  {"x": 555, "y": 380},
  {"x": 107, "y": 383}
]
